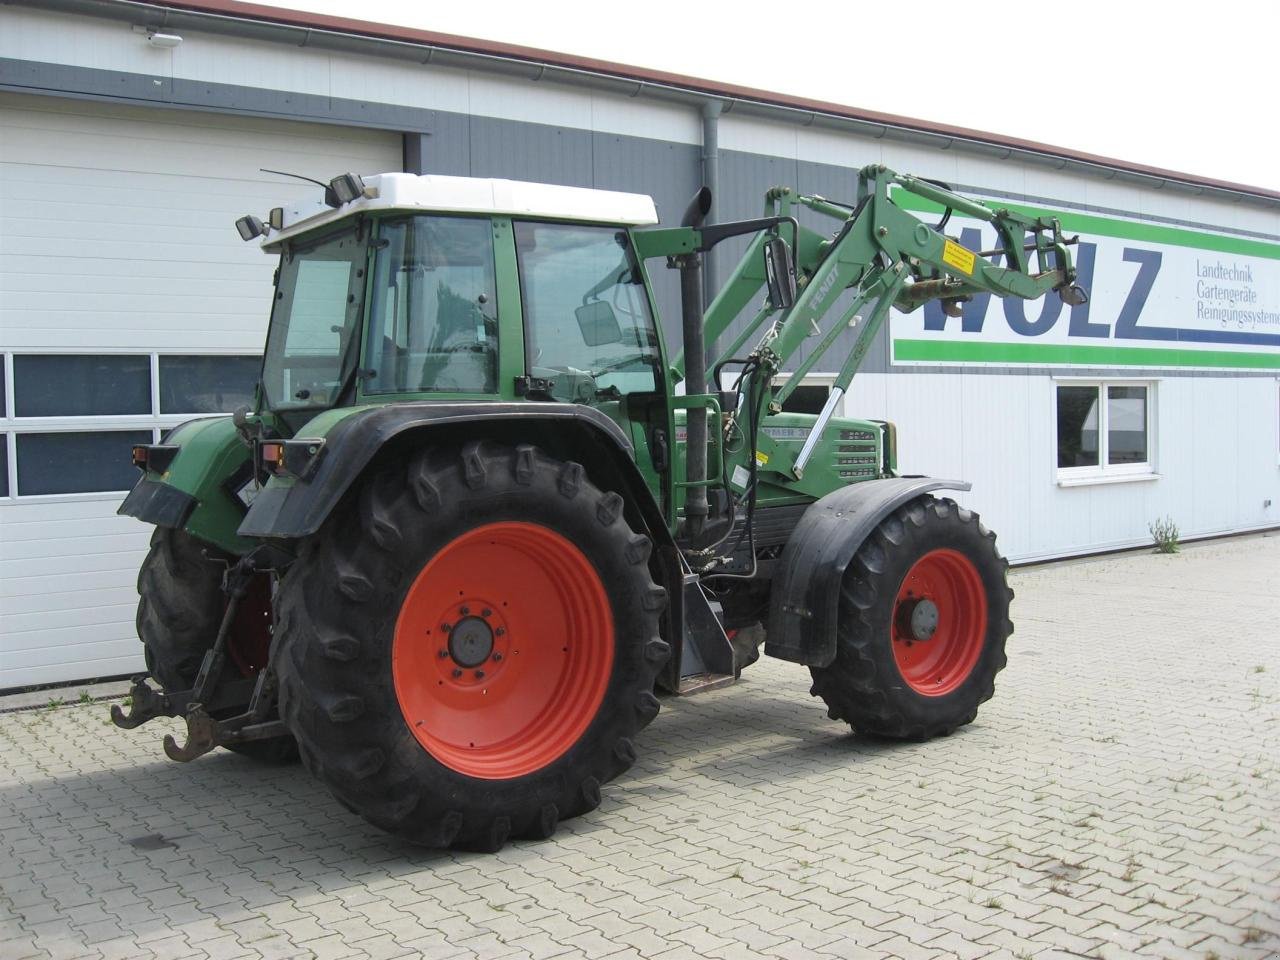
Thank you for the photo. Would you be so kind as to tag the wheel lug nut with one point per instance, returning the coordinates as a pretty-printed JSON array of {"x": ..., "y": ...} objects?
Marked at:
[
  {"x": 479, "y": 674},
  {"x": 465, "y": 611},
  {"x": 486, "y": 612},
  {"x": 446, "y": 627},
  {"x": 497, "y": 657},
  {"x": 443, "y": 654},
  {"x": 456, "y": 673},
  {"x": 500, "y": 631}
]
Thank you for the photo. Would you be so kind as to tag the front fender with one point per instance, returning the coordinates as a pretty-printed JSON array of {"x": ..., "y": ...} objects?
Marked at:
[{"x": 805, "y": 597}]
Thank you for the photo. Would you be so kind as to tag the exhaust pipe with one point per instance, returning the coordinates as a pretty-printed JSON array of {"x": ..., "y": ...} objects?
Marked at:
[{"x": 695, "y": 367}]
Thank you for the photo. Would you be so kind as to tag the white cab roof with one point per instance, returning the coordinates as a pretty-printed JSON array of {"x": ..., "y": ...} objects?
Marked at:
[{"x": 407, "y": 191}]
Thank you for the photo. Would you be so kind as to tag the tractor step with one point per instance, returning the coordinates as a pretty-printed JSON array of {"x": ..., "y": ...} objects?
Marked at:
[{"x": 702, "y": 682}]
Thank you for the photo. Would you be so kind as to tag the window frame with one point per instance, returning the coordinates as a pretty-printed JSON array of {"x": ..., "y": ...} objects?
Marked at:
[
  {"x": 12, "y": 426},
  {"x": 637, "y": 263},
  {"x": 1106, "y": 472},
  {"x": 364, "y": 389}
]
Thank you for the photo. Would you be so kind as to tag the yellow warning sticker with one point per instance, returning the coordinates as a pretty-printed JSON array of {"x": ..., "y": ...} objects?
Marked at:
[
  {"x": 762, "y": 458},
  {"x": 959, "y": 257}
]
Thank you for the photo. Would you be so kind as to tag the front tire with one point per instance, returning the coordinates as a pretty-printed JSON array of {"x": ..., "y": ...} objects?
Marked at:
[
  {"x": 924, "y": 616},
  {"x": 468, "y": 647}
]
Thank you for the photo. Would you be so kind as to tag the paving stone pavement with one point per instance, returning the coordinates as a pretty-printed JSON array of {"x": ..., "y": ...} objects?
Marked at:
[{"x": 1119, "y": 797}]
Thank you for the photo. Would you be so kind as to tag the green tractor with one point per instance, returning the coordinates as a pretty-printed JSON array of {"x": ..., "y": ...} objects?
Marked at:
[{"x": 472, "y": 525}]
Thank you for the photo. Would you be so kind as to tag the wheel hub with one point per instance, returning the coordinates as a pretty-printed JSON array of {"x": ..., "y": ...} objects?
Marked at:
[
  {"x": 471, "y": 642},
  {"x": 918, "y": 618}
]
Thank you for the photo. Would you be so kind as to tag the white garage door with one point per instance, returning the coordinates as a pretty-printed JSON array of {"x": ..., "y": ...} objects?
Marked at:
[{"x": 128, "y": 304}]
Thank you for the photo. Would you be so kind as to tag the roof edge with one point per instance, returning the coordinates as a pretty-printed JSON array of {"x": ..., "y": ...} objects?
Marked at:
[{"x": 695, "y": 85}]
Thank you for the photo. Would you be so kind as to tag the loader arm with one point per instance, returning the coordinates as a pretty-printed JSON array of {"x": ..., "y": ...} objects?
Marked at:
[{"x": 891, "y": 258}]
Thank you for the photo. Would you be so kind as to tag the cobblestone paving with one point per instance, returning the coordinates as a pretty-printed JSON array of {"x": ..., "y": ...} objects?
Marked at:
[{"x": 1120, "y": 796}]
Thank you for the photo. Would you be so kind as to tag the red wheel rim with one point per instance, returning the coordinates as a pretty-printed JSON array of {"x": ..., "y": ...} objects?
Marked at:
[
  {"x": 942, "y": 590},
  {"x": 503, "y": 650}
]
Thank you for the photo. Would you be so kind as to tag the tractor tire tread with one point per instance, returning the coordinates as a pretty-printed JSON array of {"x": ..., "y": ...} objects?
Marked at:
[
  {"x": 862, "y": 685},
  {"x": 333, "y": 649}
]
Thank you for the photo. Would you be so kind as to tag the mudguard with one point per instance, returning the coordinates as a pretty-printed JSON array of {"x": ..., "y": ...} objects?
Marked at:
[
  {"x": 195, "y": 486},
  {"x": 806, "y": 588},
  {"x": 297, "y": 508},
  {"x": 289, "y": 509}
]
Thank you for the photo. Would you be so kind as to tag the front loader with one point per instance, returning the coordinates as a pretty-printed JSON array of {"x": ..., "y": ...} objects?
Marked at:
[{"x": 479, "y": 514}]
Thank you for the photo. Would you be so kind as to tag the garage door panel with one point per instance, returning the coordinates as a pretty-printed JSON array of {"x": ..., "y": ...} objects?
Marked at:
[
  {"x": 117, "y": 234},
  {"x": 62, "y": 619}
]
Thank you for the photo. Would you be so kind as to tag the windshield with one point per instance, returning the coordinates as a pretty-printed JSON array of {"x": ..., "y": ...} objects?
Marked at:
[
  {"x": 585, "y": 306},
  {"x": 433, "y": 314},
  {"x": 314, "y": 323}
]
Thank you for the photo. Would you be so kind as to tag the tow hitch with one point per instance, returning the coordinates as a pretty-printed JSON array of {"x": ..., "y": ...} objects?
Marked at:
[{"x": 214, "y": 708}]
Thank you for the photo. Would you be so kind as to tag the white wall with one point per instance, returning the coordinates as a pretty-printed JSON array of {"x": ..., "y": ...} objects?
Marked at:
[
  {"x": 117, "y": 236},
  {"x": 1216, "y": 456}
]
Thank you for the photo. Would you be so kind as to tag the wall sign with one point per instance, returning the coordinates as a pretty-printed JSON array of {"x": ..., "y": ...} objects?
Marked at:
[{"x": 1159, "y": 297}]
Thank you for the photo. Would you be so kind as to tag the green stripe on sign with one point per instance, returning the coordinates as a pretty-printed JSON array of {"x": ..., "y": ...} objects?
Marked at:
[
  {"x": 1064, "y": 354},
  {"x": 1093, "y": 225}
]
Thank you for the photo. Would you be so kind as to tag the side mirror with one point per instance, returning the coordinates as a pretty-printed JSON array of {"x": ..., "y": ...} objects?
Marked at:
[
  {"x": 779, "y": 274},
  {"x": 598, "y": 323},
  {"x": 249, "y": 227}
]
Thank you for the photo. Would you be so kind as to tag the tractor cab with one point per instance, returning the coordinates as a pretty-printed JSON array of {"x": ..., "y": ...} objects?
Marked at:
[{"x": 436, "y": 288}]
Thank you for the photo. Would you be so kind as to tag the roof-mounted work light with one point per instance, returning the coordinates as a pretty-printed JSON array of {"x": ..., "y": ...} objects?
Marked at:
[
  {"x": 347, "y": 187},
  {"x": 249, "y": 227}
]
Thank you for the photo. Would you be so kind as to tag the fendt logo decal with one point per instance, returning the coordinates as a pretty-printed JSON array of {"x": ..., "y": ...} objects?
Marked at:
[{"x": 821, "y": 294}]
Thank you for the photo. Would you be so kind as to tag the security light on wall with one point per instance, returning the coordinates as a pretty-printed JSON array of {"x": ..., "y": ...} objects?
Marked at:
[{"x": 158, "y": 39}]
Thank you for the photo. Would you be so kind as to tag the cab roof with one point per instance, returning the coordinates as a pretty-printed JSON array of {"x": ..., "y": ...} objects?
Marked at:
[{"x": 430, "y": 192}]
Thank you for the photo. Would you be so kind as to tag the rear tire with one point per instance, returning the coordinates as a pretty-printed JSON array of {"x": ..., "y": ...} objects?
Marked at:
[
  {"x": 180, "y": 607},
  {"x": 468, "y": 647},
  {"x": 930, "y": 567}
]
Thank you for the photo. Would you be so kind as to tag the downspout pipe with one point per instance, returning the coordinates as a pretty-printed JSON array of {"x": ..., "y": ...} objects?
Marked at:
[
  {"x": 695, "y": 368},
  {"x": 711, "y": 180}
]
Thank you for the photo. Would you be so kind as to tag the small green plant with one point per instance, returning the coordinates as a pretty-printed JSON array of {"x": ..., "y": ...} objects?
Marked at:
[
  {"x": 1165, "y": 535},
  {"x": 1260, "y": 668},
  {"x": 1252, "y": 935},
  {"x": 993, "y": 904},
  {"x": 84, "y": 696}
]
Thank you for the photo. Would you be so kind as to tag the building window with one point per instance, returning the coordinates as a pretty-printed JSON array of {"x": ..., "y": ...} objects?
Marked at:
[
  {"x": 807, "y": 398},
  {"x": 67, "y": 420},
  {"x": 79, "y": 385},
  {"x": 77, "y": 461},
  {"x": 1104, "y": 430},
  {"x": 207, "y": 384}
]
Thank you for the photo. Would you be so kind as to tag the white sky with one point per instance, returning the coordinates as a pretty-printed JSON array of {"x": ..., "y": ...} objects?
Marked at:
[{"x": 1191, "y": 88}]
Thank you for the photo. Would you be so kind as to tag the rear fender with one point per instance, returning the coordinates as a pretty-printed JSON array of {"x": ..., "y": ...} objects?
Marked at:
[
  {"x": 196, "y": 488},
  {"x": 806, "y": 589},
  {"x": 294, "y": 508}
]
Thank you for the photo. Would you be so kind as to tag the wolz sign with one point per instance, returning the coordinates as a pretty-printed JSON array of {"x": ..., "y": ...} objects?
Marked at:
[{"x": 1159, "y": 296}]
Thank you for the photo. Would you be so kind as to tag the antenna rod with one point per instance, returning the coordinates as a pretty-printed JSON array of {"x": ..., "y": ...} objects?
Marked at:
[{"x": 296, "y": 176}]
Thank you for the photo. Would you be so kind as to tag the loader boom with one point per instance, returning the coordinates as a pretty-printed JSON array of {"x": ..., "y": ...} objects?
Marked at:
[{"x": 888, "y": 256}]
